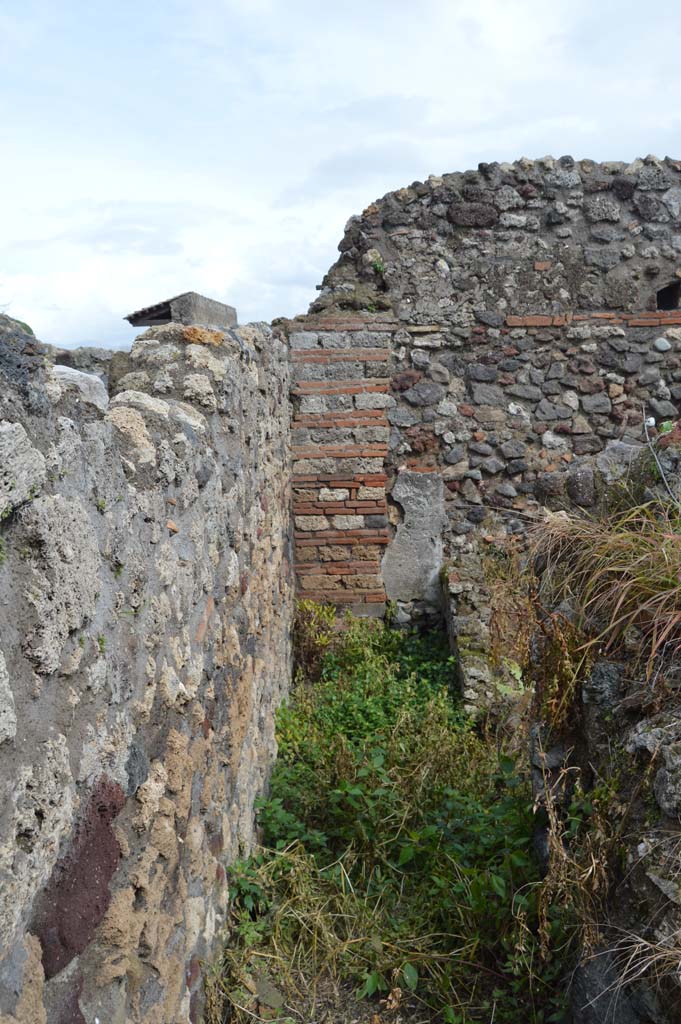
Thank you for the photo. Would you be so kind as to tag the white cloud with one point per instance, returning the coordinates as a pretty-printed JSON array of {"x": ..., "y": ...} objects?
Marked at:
[{"x": 221, "y": 146}]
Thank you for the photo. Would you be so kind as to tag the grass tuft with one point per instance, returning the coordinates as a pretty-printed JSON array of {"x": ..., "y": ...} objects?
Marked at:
[{"x": 621, "y": 574}]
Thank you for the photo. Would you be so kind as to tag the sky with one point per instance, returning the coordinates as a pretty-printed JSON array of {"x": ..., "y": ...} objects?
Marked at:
[{"x": 219, "y": 146}]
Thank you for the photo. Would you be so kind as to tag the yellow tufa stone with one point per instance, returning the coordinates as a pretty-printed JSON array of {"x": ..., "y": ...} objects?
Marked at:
[{"x": 202, "y": 336}]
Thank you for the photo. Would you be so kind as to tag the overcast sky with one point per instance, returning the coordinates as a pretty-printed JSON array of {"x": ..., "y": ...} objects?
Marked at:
[{"x": 151, "y": 148}]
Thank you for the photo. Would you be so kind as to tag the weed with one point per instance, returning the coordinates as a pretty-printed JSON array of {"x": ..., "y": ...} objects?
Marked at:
[
  {"x": 580, "y": 852},
  {"x": 3, "y": 550},
  {"x": 101, "y": 505},
  {"x": 101, "y": 644},
  {"x": 25, "y": 327},
  {"x": 622, "y": 572},
  {"x": 559, "y": 663},
  {"x": 378, "y": 266},
  {"x": 313, "y": 635},
  {"x": 397, "y": 840},
  {"x": 512, "y": 598},
  {"x": 391, "y": 612}
]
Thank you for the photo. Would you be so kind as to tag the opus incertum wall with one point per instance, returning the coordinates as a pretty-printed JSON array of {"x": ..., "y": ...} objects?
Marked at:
[
  {"x": 486, "y": 343},
  {"x": 145, "y": 613}
]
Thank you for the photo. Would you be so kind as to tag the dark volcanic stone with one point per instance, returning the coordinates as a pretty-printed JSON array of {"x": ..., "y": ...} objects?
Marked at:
[
  {"x": 22, "y": 361},
  {"x": 663, "y": 409},
  {"x": 606, "y": 233},
  {"x": 513, "y": 449},
  {"x": 455, "y": 454},
  {"x": 490, "y": 318},
  {"x": 598, "y": 996},
  {"x": 478, "y": 372},
  {"x": 425, "y": 393},
  {"x": 527, "y": 391},
  {"x": 587, "y": 444},
  {"x": 550, "y": 485},
  {"x": 650, "y": 208},
  {"x": 481, "y": 448},
  {"x": 547, "y": 411},
  {"x": 488, "y": 394},
  {"x": 492, "y": 465},
  {"x": 136, "y": 767},
  {"x": 581, "y": 486},
  {"x": 599, "y": 404},
  {"x": 623, "y": 186},
  {"x": 602, "y": 686},
  {"x": 472, "y": 215},
  {"x": 553, "y": 217}
]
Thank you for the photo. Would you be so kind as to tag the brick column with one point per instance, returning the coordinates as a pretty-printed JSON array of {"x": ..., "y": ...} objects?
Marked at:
[{"x": 340, "y": 392}]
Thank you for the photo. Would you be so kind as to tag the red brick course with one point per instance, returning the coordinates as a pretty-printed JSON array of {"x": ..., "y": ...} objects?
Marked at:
[
  {"x": 320, "y": 553},
  {"x": 646, "y": 318}
]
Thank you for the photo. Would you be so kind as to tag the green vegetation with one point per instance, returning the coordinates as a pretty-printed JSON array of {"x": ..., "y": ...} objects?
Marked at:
[
  {"x": 24, "y": 326},
  {"x": 397, "y": 852}
]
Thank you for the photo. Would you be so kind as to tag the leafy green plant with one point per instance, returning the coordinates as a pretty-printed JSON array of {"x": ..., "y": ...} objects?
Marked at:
[
  {"x": 24, "y": 326},
  {"x": 397, "y": 845},
  {"x": 313, "y": 634}
]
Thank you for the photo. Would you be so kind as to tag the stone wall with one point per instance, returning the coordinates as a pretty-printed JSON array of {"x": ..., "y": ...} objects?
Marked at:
[
  {"x": 145, "y": 609},
  {"x": 486, "y": 344}
]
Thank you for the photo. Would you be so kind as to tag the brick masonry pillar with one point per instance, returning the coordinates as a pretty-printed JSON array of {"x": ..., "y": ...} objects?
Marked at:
[{"x": 340, "y": 393}]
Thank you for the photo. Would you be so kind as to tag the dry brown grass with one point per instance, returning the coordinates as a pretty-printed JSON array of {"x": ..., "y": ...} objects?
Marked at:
[
  {"x": 622, "y": 575},
  {"x": 512, "y": 599}
]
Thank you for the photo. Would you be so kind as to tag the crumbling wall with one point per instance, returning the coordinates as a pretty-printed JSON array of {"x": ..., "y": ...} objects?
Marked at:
[
  {"x": 145, "y": 606},
  {"x": 486, "y": 344}
]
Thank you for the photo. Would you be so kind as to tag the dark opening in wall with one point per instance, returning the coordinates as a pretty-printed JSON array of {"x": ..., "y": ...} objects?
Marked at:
[{"x": 669, "y": 297}]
